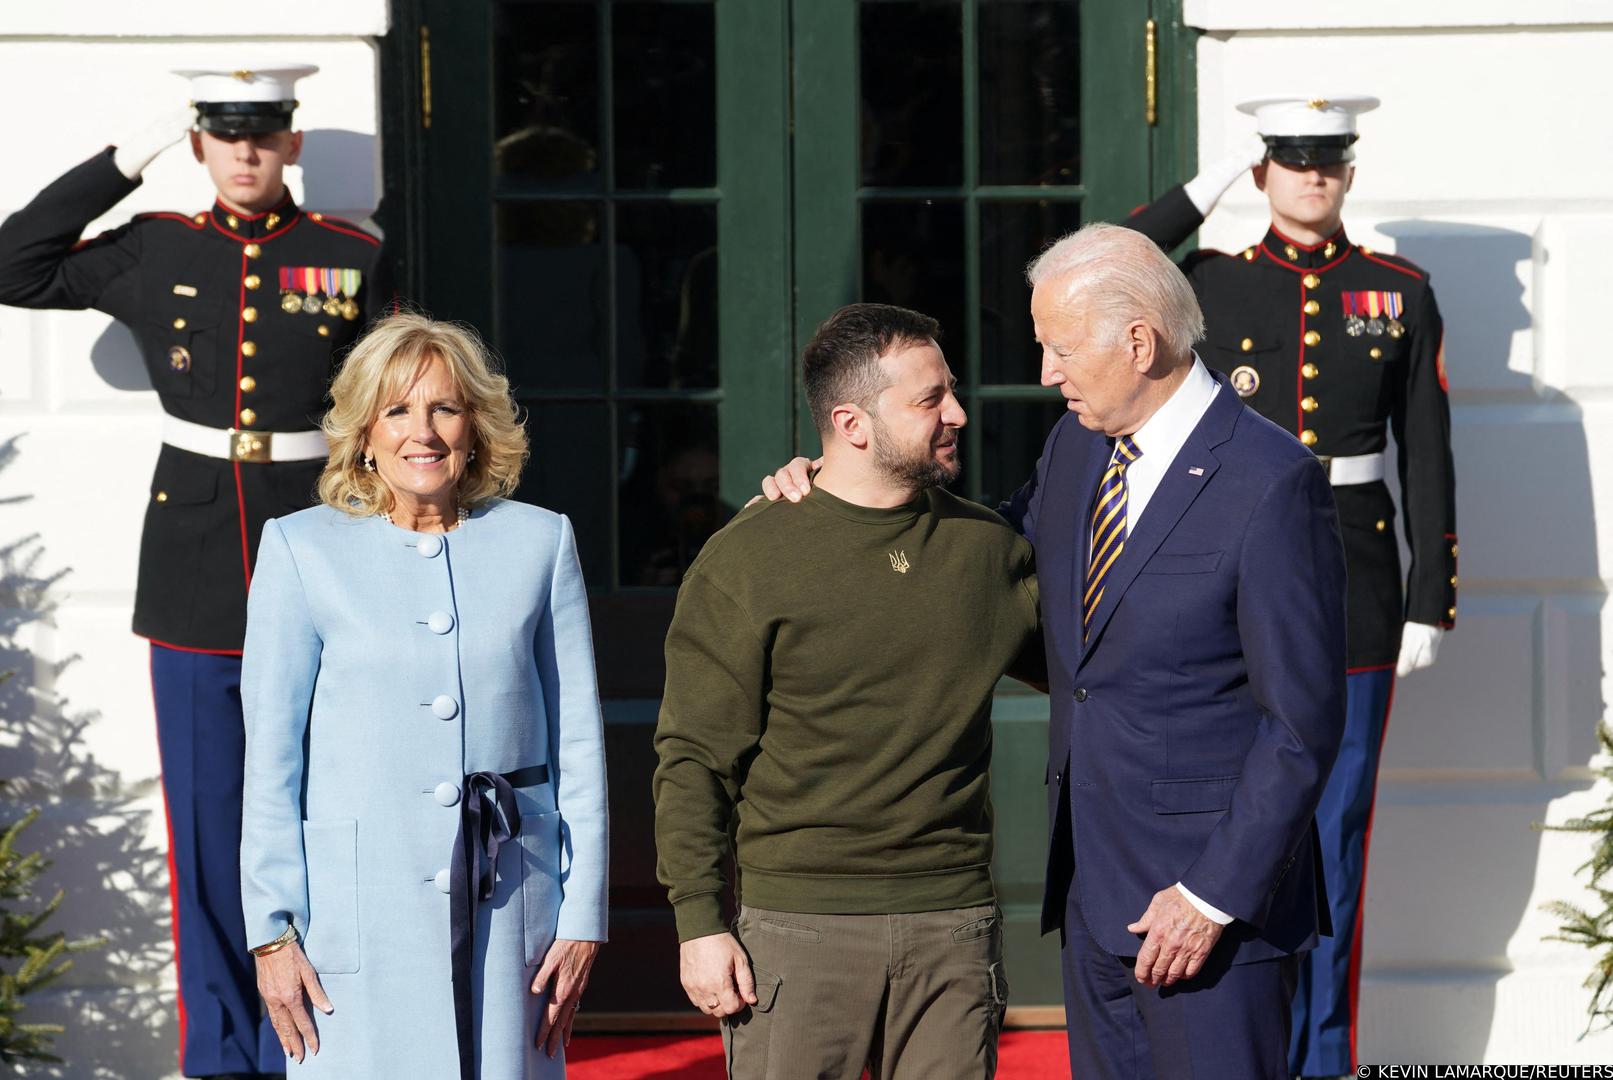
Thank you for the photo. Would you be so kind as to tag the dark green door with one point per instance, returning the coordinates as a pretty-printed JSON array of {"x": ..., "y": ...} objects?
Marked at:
[{"x": 647, "y": 205}]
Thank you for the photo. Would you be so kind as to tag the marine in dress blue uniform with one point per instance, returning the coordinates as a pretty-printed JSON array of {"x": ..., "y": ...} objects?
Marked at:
[
  {"x": 1339, "y": 344},
  {"x": 240, "y": 317}
]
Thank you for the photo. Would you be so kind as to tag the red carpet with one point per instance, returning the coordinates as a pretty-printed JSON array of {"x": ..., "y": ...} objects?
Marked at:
[{"x": 1022, "y": 1055}]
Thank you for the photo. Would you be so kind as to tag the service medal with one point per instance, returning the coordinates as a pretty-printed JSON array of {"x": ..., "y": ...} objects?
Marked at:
[
  {"x": 1350, "y": 303},
  {"x": 349, "y": 310},
  {"x": 1245, "y": 380},
  {"x": 1374, "y": 309},
  {"x": 311, "y": 305},
  {"x": 290, "y": 302},
  {"x": 1392, "y": 306},
  {"x": 332, "y": 306}
]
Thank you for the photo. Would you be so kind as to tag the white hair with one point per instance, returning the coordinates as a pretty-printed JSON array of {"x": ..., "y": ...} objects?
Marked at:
[{"x": 1122, "y": 276}]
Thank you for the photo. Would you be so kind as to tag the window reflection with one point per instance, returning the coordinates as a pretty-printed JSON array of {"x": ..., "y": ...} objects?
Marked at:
[{"x": 667, "y": 490}]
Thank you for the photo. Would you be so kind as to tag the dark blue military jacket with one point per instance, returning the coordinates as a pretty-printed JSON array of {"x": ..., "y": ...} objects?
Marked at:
[
  {"x": 220, "y": 305},
  {"x": 1340, "y": 344}
]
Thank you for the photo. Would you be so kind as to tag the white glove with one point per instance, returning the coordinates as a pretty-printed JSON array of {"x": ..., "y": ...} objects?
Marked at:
[
  {"x": 1419, "y": 645},
  {"x": 140, "y": 148},
  {"x": 1206, "y": 189}
]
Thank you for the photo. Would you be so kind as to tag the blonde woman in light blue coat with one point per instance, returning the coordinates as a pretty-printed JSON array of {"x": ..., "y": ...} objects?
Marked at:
[{"x": 423, "y": 854}]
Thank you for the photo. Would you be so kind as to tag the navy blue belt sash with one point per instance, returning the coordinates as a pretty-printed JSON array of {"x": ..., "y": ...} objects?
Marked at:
[{"x": 488, "y": 819}]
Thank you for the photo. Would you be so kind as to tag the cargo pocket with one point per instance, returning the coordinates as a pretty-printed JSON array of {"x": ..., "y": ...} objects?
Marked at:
[
  {"x": 540, "y": 881},
  {"x": 330, "y": 852}
]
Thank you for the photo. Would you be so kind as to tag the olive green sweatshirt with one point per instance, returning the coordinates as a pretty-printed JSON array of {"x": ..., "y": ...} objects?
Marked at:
[{"x": 830, "y": 670}]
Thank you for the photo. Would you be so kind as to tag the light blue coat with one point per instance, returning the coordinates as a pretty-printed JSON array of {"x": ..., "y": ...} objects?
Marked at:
[{"x": 381, "y": 666}]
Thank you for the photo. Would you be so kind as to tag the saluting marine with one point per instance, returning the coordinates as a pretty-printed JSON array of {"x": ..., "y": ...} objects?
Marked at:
[
  {"x": 240, "y": 312},
  {"x": 1339, "y": 344}
]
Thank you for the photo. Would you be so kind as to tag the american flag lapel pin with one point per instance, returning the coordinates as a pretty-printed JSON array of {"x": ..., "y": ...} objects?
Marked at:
[{"x": 1195, "y": 471}]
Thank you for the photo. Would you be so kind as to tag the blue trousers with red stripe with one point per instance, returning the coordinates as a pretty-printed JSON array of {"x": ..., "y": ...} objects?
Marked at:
[
  {"x": 1324, "y": 1010},
  {"x": 200, "y": 734}
]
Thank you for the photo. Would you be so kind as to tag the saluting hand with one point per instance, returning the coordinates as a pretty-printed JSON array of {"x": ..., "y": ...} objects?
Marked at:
[
  {"x": 284, "y": 976},
  {"x": 138, "y": 149}
]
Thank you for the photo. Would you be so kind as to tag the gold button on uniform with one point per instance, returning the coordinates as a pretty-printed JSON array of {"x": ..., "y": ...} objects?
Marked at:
[
  {"x": 248, "y": 383},
  {"x": 324, "y": 331},
  {"x": 1453, "y": 551},
  {"x": 1363, "y": 249},
  {"x": 249, "y": 314},
  {"x": 1311, "y": 281},
  {"x": 1452, "y": 612},
  {"x": 1312, "y": 337},
  {"x": 252, "y": 281},
  {"x": 1308, "y": 404},
  {"x": 199, "y": 219},
  {"x": 1308, "y": 437},
  {"x": 1376, "y": 353},
  {"x": 249, "y": 348},
  {"x": 1453, "y": 581},
  {"x": 1249, "y": 254},
  {"x": 1310, "y": 371},
  {"x": 162, "y": 496},
  {"x": 179, "y": 324},
  {"x": 1312, "y": 307},
  {"x": 248, "y": 417},
  {"x": 252, "y": 251},
  {"x": 1382, "y": 525},
  {"x": 1246, "y": 344}
]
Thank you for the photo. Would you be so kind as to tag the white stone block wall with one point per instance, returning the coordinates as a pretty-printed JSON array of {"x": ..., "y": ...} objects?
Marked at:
[
  {"x": 78, "y": 437},
  {"x": 1486, "y": 166}
]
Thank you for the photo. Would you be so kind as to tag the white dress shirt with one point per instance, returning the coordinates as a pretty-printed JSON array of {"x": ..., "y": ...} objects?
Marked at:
[{"x": 1160, "y": 439}]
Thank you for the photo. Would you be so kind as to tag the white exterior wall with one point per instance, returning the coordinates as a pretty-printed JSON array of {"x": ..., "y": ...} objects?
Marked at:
[
  {"x": 1485, "y": 166},
  {"x": 78, "y": 437}
]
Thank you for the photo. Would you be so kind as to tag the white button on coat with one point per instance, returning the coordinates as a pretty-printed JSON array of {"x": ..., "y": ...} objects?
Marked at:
[
  {"x": 444, "y": 880},
  {"x": 444, "y": 707},
  {"x": 428, "y": 546},
  {"x": 446, "y": 794},
  {"x": 440, "y": 622}
]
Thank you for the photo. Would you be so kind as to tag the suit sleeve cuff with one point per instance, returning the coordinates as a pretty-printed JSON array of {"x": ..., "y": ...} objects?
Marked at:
[
  {"x": 1214, "y": 914},
  {"x": 699, "y": 915}
]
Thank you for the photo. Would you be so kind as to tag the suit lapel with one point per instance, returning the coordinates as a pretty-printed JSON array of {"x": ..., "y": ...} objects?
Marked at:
[{"x": 1186, "y": 476}]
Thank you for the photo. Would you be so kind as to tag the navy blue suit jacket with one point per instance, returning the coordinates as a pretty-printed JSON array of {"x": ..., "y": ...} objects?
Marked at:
[{"x": 1194, "y": 729}]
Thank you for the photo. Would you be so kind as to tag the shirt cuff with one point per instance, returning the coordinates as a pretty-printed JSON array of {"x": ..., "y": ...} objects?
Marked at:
[{"x": 1214, "y": 914}]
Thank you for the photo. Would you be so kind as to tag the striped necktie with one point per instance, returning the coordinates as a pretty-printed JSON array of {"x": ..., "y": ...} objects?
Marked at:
[{"x": 1108, "y": 526}]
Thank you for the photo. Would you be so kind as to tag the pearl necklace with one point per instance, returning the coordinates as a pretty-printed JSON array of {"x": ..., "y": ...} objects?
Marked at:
[{"x": 464, "y": 513}]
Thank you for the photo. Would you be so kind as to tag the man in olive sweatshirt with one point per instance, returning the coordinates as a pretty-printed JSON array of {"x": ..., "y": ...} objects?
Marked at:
[{"x": 838, "y": 717}]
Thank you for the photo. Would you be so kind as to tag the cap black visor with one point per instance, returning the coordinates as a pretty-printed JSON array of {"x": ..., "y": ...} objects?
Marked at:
[
  {"x": 1310, "y": 149},
  {"x": 244, "y": 117}
]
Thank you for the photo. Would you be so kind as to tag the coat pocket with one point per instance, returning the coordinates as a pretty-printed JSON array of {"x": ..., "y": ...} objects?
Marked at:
[
  {"x": 540, "y": 881},
  {"x": 330, "y": 852},
  {"x": 1200, "y": 563},
  {"x": 1193, "y": 796}
]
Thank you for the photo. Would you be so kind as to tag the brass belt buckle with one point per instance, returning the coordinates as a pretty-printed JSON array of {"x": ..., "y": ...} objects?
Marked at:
[{"x": 251, "y": 446}]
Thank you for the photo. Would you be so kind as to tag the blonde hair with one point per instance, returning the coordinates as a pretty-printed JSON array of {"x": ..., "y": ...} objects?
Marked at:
[{"x": 390, "y": 356}]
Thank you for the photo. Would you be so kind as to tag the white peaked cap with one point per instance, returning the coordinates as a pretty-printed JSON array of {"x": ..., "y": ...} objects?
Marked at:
[
  {"x": 246, "y": 84},
  {"x": 1317, "y": 115}
]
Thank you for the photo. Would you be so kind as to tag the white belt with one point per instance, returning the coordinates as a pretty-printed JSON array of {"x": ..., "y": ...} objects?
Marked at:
[
  {"x": 1359, "y": 469},
  {"x": 234, "y": 444}
]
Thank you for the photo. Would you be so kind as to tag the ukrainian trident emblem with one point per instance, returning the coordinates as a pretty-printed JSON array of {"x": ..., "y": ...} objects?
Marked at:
[{"x": 899, "y": 562}]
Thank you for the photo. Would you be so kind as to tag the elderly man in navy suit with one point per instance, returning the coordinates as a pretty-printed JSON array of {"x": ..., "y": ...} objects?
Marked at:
[{"x": 1193, "y": 602}]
